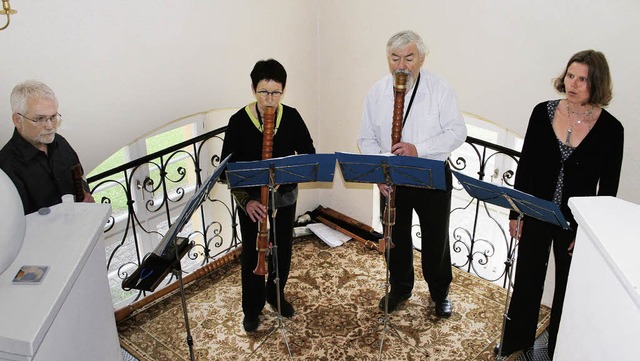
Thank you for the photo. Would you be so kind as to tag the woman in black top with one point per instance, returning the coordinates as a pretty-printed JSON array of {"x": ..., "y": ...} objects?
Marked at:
[
  {"x": 573, "y": 147},
  {"x": 243, "y": 139}
]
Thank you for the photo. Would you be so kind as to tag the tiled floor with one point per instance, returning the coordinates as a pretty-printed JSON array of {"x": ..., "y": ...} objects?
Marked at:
[
  {"x": 539, "y": 352},
  {"x": 127, "y": 356}
]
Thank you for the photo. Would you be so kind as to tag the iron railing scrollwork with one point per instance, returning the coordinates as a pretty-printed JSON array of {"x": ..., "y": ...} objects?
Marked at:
[
  {"x": 149, "y": 192},
  {"x": 479, "y": 231}
]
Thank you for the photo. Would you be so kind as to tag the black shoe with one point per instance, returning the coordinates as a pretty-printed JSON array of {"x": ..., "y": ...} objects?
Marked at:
[
  {"x": 394, "y": 301},
  {"x": 250, "y": 324},
  {"x": 286, "y": 308},
  {"x": 443, "y": 308}
]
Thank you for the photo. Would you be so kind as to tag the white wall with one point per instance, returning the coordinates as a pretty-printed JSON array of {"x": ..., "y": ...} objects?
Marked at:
[
  {"x": 121, "y": 68},
  {"x": 500, "y": 56}
]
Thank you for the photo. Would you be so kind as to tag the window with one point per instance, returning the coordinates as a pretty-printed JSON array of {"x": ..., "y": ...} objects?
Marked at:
[
  {"x": 158, "y": 188},
  {"x": 148, "y": 196}
]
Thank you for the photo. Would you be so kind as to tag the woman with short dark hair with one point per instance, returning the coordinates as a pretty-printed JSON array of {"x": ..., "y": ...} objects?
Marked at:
[{"x": 243, "y": 139}]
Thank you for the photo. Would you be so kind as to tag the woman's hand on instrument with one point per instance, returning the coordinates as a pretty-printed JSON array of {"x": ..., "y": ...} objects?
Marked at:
[
  {"x": 402, "y": 148},
  {"x": 256, "y": 211},
  {"x": 384, "y": 189},
  {"x": 513, "y": 230},
  {"x": 570, "y": 249}
]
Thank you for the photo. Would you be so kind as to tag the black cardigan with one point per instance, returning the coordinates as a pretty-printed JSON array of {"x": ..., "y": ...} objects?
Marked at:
[
  {"x": 244, "y": 141},
  {"x": 592, "y": 169}
]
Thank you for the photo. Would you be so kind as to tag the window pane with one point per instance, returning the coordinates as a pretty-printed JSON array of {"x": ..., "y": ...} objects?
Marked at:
[
  {"x": 109, "y": 189},
  {"x": 179, "y": 164},
  {"x": 167, "y": 139},
  {"x": 116, "y": 159}
]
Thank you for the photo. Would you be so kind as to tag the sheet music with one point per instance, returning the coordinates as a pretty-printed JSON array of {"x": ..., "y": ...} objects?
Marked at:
[{"x": 329, "y": 235}]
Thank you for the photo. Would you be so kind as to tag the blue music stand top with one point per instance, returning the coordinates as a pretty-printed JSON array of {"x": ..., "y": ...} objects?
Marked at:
[
  {"x": 300, "y": 168},
  {"x": 513, "y": 199},
  {"x": 392, "y": 170}
]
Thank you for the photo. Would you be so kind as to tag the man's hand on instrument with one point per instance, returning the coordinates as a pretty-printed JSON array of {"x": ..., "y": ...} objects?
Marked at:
[
  {"x": 88, "y": 197},
  {"x": 384, "y": 189},
  {"x": 402, "y": 148},
  {"x": 256, "y": 211}
]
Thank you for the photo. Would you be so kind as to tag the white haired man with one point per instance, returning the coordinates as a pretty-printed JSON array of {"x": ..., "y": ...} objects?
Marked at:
[
  {"x": 433, "y": 127},
  {"x": 37, "y": 159}
]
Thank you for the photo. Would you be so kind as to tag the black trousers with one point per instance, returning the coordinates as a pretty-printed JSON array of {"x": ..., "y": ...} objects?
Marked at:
[
  {"x": 433, "y": 208},
  {"x": 533, "y": 257},
  {"x": 254, "y": 291}
]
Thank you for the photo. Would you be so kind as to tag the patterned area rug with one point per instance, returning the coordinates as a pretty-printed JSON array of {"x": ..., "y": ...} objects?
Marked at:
[{"x": 335, "y": 292}]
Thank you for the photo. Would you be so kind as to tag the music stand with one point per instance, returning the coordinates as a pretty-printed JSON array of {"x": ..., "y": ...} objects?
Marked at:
[
  {"x": 393, "y": 171},
  {"x": 272, "y": 172},
  {"x": 166, "y": 256},
  {"x": 523, "y": 204}
]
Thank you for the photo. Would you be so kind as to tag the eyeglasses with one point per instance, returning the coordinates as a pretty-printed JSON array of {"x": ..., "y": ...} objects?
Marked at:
[
  {"x": 41, "y": 119},
  {"x": 275, "y": 93}
]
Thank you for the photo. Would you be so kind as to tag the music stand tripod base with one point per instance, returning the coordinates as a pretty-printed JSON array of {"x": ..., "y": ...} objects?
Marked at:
[{"x": 273, "y": 172}]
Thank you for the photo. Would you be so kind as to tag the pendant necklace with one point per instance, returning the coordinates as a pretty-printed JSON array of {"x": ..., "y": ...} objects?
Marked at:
[{"x": 584, "y": 116}]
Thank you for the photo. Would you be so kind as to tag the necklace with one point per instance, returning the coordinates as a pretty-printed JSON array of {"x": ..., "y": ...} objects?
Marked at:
[{"x": 584, "y": 116}]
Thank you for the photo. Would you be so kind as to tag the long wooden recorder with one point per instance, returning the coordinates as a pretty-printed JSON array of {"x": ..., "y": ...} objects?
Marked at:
[
  {"x": 389, "y": 217},
  {"x": 262, "y": 242}
]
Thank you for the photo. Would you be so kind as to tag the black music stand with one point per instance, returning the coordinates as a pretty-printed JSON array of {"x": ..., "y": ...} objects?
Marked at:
[
  {"x": 521, "y": 203},
  {"x": 272, "y": 172},
  {"x": 393, "y": 171},
  {"x": 166, "y": 256}
]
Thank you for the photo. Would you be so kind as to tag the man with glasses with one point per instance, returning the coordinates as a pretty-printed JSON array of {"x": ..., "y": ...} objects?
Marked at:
[
  {"x": 37, "y": 159},
  {"x": 243, "y": 139}
]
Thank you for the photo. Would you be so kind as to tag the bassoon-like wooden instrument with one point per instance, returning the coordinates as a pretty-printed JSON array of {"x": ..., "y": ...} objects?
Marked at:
[
  {"x": 342, "y": 223},
  {"x": 389, "y": 217},
  {"x": 262, "y": 242},
  {"x": 76, "y": 175}
]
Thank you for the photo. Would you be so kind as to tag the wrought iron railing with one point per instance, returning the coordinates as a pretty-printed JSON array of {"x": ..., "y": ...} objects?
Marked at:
[
  {"x": 150, "y": 191},
  {"x": 480, "y": 236}
]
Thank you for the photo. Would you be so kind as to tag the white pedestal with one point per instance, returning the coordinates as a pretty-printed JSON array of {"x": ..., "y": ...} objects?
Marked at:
[
  {"x": 601, "y": 314},
  {"x": 69, "y": 316}
]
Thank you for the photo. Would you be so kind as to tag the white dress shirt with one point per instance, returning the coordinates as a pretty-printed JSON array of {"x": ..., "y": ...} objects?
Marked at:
[{"x": 434, "y": 125}]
